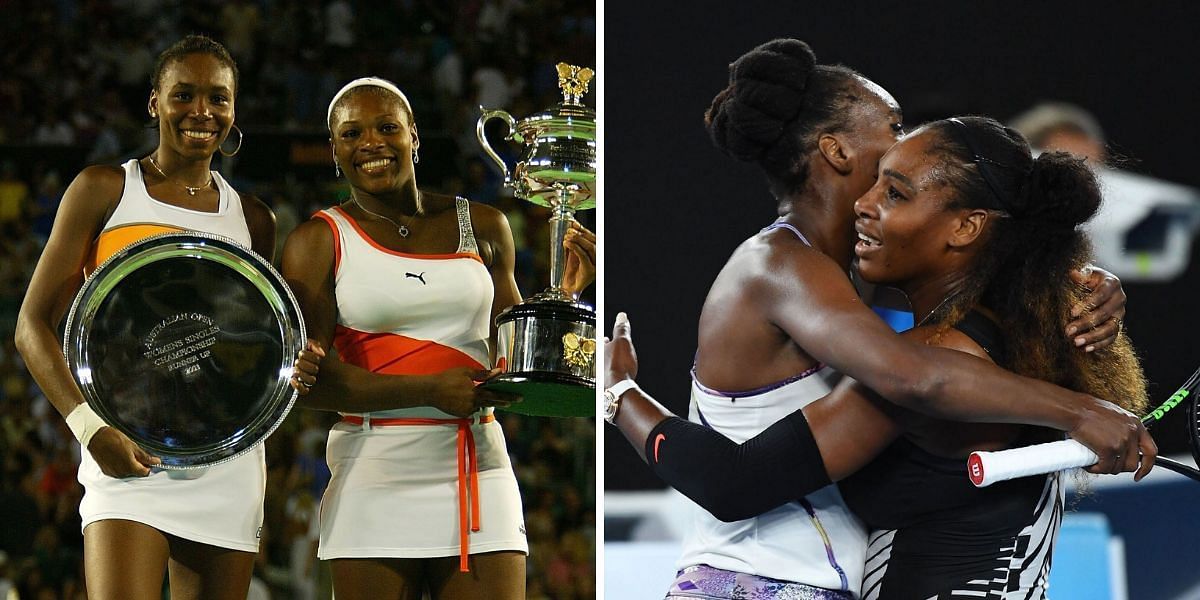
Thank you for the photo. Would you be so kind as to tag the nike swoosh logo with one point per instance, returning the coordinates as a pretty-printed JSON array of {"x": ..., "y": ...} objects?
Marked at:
[{"x": 658, "y": 440}]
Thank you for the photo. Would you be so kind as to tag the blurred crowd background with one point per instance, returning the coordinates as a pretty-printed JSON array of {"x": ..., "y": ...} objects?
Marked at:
[{"x": 74, "y": 83}]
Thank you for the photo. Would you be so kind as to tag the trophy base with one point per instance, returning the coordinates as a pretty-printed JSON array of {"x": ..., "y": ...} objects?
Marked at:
[
  {"x": 548, "y": 348},
  {"x": 547, "y": 394}
]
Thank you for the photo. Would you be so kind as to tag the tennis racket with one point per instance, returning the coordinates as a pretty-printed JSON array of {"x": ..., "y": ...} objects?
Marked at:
[{"x": 986, "y": 468}]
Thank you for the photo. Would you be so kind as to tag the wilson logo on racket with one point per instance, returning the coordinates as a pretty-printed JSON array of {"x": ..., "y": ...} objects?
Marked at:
[
  {"x": 975, "y": 469},
  {"x": 1171, "y": 402},
  {"x": 1068, "y": 454}
]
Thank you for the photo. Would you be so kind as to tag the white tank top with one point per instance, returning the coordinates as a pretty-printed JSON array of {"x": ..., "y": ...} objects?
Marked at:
[
  {"x": 815, "y": 540},
  {"x": 139, "y": 216},
  {"x": 410, "y": 314}
]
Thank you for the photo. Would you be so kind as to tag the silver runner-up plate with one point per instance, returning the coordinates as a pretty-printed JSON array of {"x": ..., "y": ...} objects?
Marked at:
[{"x": 185, "y": 343}]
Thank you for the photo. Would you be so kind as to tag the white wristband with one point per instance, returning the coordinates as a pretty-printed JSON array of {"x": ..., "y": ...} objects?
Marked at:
[{"x": 84, "y": 423}]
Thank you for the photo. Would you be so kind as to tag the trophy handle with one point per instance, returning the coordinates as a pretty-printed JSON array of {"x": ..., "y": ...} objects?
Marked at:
[{"x": 511, "y": 135}]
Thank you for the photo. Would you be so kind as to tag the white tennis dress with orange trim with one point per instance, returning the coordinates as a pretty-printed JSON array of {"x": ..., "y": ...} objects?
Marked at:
[
  {"x": 220, "y": 505},
  {"x": 417, "y": 482}
]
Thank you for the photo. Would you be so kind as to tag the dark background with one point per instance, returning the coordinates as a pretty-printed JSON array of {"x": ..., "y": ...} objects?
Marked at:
[{"x": 676, "y": 207}]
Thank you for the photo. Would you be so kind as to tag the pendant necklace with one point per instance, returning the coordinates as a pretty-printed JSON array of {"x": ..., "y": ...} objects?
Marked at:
[
  {"x": 401, "y": 229},
  {"x": 192, "y": 191},
  {"x": 937, "y": 308}
]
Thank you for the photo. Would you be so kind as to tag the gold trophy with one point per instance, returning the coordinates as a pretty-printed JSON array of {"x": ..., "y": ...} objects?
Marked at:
[{"x": 547, "y": 344}]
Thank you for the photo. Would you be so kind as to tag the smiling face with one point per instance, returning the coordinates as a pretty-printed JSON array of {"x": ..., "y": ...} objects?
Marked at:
[
  {"x": 195, "y": 104},
  {"x": 373, "y": 141},
  {"x": 906, "y": 233}
]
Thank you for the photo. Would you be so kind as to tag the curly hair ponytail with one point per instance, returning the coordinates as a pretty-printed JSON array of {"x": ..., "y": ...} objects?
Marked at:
[{"x": 1034, "y": 242}]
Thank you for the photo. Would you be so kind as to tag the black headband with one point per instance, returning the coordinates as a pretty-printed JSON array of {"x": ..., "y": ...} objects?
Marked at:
[{"x": 1001, "y": 201}]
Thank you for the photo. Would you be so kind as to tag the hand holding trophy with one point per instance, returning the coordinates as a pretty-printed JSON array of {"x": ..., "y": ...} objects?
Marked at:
[{"x": 547, "y": 344}]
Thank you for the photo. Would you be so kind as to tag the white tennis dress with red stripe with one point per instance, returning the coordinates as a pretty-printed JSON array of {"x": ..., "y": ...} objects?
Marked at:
[{"x": 418, "y": 482}]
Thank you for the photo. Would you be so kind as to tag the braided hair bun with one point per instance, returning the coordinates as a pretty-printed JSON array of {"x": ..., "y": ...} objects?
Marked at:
[{"x": 765, "y": 92}]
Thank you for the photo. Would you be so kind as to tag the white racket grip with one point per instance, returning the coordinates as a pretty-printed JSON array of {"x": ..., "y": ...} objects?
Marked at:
[{"x": 986, "y": 468}]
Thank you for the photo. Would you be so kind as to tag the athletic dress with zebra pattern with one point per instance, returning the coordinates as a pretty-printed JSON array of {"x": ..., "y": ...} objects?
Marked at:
[
  {"x": 934, "y": 535},
  {"x": 415, "y": 482}
]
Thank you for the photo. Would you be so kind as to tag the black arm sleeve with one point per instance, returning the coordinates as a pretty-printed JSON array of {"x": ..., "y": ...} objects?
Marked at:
[{"x": 738, "y": 481}]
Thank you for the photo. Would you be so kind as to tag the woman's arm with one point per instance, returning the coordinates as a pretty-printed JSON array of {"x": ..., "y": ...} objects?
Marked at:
[
  {"x": 59, "y": 273},
  {"x": 1094, "y": 322},
  {"x": 807, "y": 450},
  {"x": 812, "y": 301},
  {"x": 308, "y": 267},
  {"x": 260, "y": 220},
  {"x": 828, "y": 440},
  {"x": 499, "y": 255}
]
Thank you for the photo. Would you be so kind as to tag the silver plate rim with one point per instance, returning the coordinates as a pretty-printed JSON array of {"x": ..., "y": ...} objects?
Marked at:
[{"x": 154, "y": 241}]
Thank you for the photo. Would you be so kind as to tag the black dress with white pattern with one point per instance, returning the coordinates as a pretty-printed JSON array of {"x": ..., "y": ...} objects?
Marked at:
[{"x": 934, "y": 535}]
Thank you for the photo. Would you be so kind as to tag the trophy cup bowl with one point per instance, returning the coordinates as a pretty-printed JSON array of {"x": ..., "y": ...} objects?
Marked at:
[
  {"x": 184, "y": 342},
  {"x": 547, "y": 343}
]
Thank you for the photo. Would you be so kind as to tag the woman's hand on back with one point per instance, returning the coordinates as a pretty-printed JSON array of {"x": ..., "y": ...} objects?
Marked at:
[{"x": 1096, "y": 320}]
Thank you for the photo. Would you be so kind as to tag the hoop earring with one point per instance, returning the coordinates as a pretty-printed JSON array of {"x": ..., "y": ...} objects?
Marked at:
[
  {"x": 241, "y": 138},
  {"x": 416, "y": 159}
]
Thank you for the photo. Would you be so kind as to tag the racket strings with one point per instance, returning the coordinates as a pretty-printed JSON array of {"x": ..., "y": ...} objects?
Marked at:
[
  {"x": 1193, "y": 422},
  {"x": 1188, "y": 389}
]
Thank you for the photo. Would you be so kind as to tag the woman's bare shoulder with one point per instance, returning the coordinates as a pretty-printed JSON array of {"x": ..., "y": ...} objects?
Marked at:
[
  {"x": 949, "y": 338},
  {"x": 103, "y": 180}
]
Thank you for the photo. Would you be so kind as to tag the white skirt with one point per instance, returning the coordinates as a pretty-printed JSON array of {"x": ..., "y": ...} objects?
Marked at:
[
  {"x": 220, "y": 506},
  {"x": 394, "y": 493}
]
